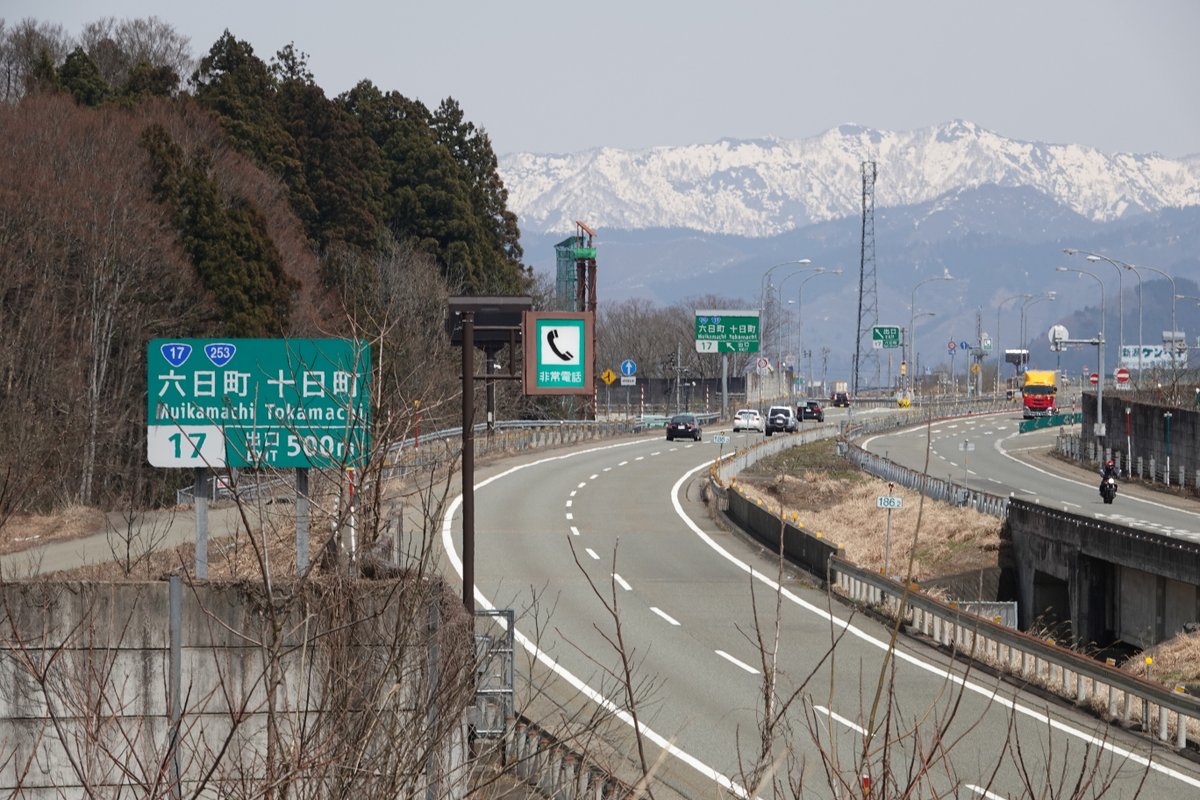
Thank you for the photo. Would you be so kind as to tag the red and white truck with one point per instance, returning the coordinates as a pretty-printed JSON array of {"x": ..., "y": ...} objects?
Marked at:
[{"x": 1039, "y": 393}]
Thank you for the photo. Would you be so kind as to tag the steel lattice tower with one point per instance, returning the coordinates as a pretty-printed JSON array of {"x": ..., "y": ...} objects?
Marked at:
[{"x": 868, "y": 299}]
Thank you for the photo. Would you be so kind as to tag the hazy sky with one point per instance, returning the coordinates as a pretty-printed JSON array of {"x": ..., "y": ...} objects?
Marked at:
[{"x": 563, "y": 76}]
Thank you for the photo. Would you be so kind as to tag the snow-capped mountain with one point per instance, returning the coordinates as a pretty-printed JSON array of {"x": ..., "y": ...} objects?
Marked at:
[{"x": 767, "y": 187}]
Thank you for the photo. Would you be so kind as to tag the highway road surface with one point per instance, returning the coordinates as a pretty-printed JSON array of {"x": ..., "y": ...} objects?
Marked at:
[{"x": 563, "y": 536}]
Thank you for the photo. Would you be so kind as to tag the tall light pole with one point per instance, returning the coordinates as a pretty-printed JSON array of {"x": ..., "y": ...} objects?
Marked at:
[
  {"x": 912, "y": 310},
  {"x": 1173, "y": 329},
  {"x": 1197, "y": 300},
  {"x": 1000, "y": 349},
  {"x": 1134, "y": 269},
  {"x": 1037, "y": 298},
  {"x": 1099, "y": 346},
  {"x": 800, "y": 315},
  {"x": 1119, "y": 267},
  {"x": 911, "y": 367},
  {"x": 812, "y": 270},
  {"x": 762, "y": 295}
]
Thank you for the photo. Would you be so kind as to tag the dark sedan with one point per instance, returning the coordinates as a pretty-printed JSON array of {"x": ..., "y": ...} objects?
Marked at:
[{"x": 683, "y": 426}]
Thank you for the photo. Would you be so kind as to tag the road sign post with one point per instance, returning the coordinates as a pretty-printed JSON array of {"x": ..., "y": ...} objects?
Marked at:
[{"x": 890, "y": 502}]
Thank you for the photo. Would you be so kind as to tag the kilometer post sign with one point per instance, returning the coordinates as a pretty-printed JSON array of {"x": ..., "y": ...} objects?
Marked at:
[
  {"x": 285, "y": 403},
  {"x": 720, "y": 331}
]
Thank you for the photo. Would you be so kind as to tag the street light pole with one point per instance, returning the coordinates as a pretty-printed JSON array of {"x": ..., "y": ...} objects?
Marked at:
[
  {"x": 762, "y": 295},
  {"x": 1099, "y": 350},
  {"x": 800, "y": 316},
  {"x": 1173, "y": 329},
  {"x": 1117, "y": 265},
  {"x": 1134, "y": 269},
  {"x": 1000, "y": 358},
  {"x": 912, "y": 310},
  {"x": 1031, "y": 301}
]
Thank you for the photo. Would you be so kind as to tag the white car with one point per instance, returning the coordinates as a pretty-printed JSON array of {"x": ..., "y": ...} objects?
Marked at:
[{"x": 748, "y": 419}]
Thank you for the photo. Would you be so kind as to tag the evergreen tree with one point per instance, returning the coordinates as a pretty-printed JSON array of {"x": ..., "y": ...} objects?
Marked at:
[
  {"x": 82, "y": 79},
  {"x": 240, "y": 88},
  {"x": 234, "y": 256},
  {"x": 342, "y": 167}
]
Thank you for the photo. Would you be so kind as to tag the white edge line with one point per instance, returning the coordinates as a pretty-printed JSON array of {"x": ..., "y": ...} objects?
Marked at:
[
  {"x": 990, "y": 693},
  {"x": 982, "y": 791},
  {"x": 564, "y": 673}
]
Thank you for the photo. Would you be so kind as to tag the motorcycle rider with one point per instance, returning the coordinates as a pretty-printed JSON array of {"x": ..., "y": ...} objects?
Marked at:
[{"x": 1109, "y": 470}]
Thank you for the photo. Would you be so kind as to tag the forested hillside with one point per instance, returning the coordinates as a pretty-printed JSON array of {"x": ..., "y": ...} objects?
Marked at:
[{"x": 144, "y": 195}]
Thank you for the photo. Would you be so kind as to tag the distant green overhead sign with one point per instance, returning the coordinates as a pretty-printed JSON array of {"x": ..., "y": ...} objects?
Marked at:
[
  {"x": 885, "y": 337},
  {"x": 257, "y": 402},
  {"x": 720, "y": 331}
]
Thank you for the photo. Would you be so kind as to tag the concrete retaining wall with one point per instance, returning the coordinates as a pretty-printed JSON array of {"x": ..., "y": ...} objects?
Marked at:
[{"x": 327, "y": 685}]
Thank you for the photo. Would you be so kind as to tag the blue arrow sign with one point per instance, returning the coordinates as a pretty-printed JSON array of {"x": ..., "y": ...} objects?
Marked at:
[{"x": 628, "y": 367}]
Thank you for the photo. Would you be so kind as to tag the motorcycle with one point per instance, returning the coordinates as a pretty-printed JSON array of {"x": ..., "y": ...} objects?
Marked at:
[{"x": 1108, "y": 489}]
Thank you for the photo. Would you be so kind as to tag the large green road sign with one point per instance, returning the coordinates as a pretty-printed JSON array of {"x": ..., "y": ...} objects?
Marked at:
[
  {"x": 720, "y": 331},
  {"x": 285, "y": 403},
  {"x": 885, "y": 337}
]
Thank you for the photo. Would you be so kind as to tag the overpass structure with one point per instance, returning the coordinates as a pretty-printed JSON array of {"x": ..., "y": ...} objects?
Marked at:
[{"x": 1111, "y": 582}]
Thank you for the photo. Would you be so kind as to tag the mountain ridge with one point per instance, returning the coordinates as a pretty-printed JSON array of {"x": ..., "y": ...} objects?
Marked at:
[{"x": 767, "y": 186}]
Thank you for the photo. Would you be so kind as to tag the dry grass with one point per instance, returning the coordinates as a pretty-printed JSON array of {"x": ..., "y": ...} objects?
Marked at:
[
  {"x": 22, "y": 531},
  {"x": 815, "y": 489}
]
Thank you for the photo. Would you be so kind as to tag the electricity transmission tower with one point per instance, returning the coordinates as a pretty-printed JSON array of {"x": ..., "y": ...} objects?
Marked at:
[{"x": 868, "y": 300}]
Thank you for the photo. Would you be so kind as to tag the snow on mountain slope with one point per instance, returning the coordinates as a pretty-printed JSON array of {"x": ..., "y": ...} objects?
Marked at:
[{"x": 765, "y": 187}]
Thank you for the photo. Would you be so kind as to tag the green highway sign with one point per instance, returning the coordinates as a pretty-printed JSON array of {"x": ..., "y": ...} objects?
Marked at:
[
  {"x": 885, "y": 337},
  {"x": 720, "y": 331},
  {"x": 286, "y": 403}
]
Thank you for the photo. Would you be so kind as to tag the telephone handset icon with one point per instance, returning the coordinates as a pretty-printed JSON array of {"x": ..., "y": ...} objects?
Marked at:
[{"x": 565, "y": 356}]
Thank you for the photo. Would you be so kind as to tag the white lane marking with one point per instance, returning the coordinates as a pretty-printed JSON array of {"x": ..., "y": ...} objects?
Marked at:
[
  {"x": 736, "y": 662},
  {"x": 640, "y": 458},
  {"x": 982, "y": 791},
  {"x": 842, "y": 720},
  {"x": 571, "y": 678},
  {"x": 624, "y": 584},
  {"x": 608, "y": 469},
  {"x": 591, "y": 553},
  {"x": 670, "y": 620},
  {"x": 569, "y": 502},
  {"x": 574, "y": 531},
  {"x": 623, "y": 463},
  {"x": 988, "y": 692},
  {"x": 582, "y": 484},
  {"x": 993, "y": 480},
  {"x": 570, "y": 515},
  {"x": 592, "y": 477}
]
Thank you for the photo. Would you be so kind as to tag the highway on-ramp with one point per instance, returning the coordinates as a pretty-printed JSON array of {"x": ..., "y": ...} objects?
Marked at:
[
  {"x": 628, "y": 515},
  {"x": 988, "y": 453}
]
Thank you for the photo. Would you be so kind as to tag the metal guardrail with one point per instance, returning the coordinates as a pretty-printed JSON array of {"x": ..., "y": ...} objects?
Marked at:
[
  {"x": 977, "y": 631},
  {"x": 1052, "y": 421},
  {"x": 1117, "y": 695}
]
